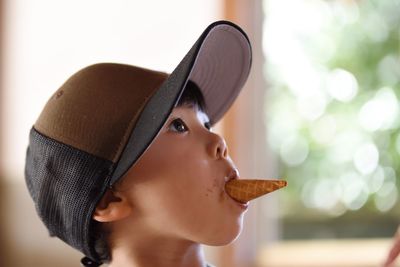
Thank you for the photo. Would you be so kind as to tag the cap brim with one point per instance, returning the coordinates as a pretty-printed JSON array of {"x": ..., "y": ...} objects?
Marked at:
[
  {"x": 219, "y": 62},
  {"x": 221, "y": 67}
]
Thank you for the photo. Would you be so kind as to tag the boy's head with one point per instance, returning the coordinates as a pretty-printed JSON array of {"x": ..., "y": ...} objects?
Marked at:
[{"x": 110, "y": 121}]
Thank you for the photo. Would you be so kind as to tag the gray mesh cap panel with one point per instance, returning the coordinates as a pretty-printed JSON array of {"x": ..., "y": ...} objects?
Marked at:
[{"x": 65, "y": 184}]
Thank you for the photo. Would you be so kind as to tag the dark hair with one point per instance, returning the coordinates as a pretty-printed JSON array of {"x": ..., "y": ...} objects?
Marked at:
[{"x": 190, "y": 96}]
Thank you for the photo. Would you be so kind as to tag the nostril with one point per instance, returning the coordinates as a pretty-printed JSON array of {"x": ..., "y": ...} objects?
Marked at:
[
  {"x": 222, "y": 150},
  {"x": 217, "y": 146},
  {"x": 219, "y": 152}
]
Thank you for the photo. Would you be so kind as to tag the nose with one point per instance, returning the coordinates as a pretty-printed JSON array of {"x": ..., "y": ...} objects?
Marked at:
[{"x": 217, "y": 146}]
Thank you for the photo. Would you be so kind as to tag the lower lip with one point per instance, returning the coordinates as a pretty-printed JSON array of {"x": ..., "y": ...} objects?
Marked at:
[{"x": 243, "y": 206}]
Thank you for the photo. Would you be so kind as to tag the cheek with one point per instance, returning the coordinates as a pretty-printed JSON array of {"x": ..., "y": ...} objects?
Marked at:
[
  {"x": 169, "y": 183},
  {"x": 182, "y": 194},
  {"x": 214, "y": 189},
  {"x": 178, "y": 185}
]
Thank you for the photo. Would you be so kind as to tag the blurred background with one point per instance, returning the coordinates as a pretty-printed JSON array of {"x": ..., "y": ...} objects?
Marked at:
[{"x": 320, "y": 109}]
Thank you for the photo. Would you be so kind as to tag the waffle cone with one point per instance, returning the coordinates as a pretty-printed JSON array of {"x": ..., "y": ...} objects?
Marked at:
[{"x": 248, "y": 189}]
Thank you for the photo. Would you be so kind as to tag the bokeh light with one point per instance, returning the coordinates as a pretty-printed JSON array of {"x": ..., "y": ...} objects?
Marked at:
[
  {"x": 342, "y": 85},
  {"x": 366, "y": 158},
  {"x": 380, "y": 112}
]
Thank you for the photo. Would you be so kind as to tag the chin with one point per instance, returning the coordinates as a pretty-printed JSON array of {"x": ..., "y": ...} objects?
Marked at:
[{"x": 226, "y": 236}]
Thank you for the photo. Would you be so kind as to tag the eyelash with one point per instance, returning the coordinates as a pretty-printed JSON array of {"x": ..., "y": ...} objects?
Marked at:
[{"x": 173, "y": 126}]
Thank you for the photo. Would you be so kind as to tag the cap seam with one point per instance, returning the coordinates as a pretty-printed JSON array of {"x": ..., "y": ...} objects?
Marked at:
[{"x": 74, "y": 143}]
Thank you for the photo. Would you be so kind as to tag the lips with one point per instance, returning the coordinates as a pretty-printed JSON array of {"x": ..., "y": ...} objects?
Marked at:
[{"x": 233, "y": 174}]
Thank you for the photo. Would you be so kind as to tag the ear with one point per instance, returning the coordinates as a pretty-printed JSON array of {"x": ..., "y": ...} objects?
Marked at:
[{"x": 113, "y": 206}]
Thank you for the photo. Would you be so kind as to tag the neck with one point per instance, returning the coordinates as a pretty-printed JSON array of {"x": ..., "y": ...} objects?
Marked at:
[{"x": 158, "y": 252}]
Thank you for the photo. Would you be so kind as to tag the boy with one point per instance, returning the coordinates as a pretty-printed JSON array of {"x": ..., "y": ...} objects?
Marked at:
[{"x": 122, "y": 164}]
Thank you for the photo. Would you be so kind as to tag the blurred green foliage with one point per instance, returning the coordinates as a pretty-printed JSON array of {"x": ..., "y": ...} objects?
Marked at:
[{"x": 332, "y": 107}]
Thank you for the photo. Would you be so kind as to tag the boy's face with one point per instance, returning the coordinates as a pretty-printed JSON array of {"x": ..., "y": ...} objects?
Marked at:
[{"x": 176, "y": 189}]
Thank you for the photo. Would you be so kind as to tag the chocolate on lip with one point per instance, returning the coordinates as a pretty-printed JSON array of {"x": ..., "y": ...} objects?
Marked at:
[{"x": 244, "y": 190}]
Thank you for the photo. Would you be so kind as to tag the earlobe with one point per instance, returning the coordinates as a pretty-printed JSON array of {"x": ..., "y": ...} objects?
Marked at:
[{"x": 112, "y": 207}]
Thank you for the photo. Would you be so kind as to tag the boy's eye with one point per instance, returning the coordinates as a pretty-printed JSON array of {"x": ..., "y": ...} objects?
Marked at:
[
  {"x": 177, "y": 125},
  {"x": 207, "y": 125}
]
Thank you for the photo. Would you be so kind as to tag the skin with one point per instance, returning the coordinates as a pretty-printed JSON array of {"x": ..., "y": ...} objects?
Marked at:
[
  {"x": 173, "y": 200},
  {"x": 394, "y": 250}
]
